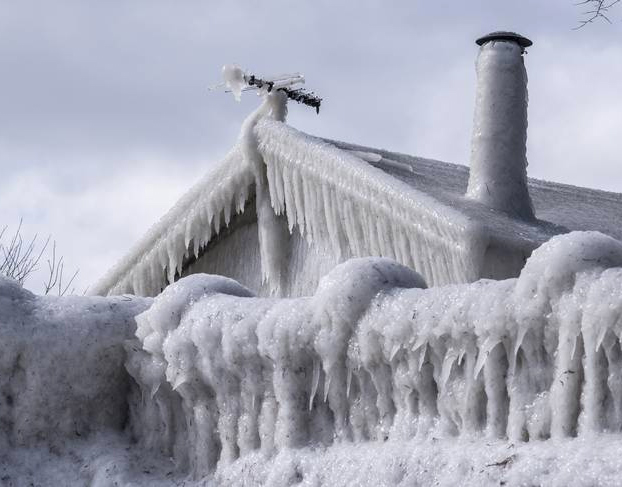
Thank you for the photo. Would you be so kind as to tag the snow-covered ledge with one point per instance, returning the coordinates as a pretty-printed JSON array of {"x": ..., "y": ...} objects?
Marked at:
[{"x": 498, "y": 175}]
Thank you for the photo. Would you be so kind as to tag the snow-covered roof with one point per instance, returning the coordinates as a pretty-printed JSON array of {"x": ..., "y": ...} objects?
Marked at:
[{"x": 361, "y": 201}]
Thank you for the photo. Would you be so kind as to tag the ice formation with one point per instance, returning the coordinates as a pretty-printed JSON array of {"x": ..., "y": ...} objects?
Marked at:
[
  {"x": 373, "y": 355},
  {"x": 498, "y": 175},
  {"x": 358, "y": 210},
  {"x": 183, "y": 231},
  {"x": 234, "y": 78},
  {"x": 272, "y": 232}
]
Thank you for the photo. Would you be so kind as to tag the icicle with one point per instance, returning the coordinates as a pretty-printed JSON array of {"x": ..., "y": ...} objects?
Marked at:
[
  {"x": 348, "y": 382},
  {"x": 396, "y": 348},
  {"x": 482, "y": 356},
  {"x": 421, "y": 341},
  {"x": 448, "y": 362},
  {"x": 422, "y": 355},
  {"x": 217, "y": 225},
  {"x": 461, "y": 355},
  {"x": 327, "y": 378},
  {"x": 314, "y": 382},
  {"x": 573, "y": 349},
  {"x": 601, "y": 336},
  {"x": 227, "y": 209},
  {"x": 522, "y": 331}
]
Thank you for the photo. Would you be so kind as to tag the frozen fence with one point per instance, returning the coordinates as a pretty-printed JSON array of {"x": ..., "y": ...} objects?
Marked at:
[{"x": 374, "y": 355}]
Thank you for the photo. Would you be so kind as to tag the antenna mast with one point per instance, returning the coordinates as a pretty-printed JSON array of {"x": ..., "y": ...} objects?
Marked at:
[{"x": 236, "y": 81}]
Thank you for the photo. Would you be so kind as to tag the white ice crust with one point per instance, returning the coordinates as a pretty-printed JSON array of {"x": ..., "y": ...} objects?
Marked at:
[
  {"x": 373, "y": 355},
  {"x": 234, "y": 78}
]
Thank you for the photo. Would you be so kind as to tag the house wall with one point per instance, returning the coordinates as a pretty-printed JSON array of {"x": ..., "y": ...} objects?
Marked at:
[{"x": 503, "y": 261}]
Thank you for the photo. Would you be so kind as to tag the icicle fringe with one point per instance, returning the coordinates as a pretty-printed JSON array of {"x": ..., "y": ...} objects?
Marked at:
[
  {"x": 155, "y": 261},
  {"x": 358, "y": 210}
]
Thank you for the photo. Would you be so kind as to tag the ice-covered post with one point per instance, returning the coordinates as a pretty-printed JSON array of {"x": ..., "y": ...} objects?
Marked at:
[{"x": 498, "y": 176}]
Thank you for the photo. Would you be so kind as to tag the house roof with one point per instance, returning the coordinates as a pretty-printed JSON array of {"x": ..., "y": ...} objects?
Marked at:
[
  {"x": 362, "y": 201},
  {"x": 559, "y": 207}
]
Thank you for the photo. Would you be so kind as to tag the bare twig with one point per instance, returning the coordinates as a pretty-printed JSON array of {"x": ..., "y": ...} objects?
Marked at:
[
  {"x": 56, "y": 267},
  {"x": 599, "y": 9},
  {"x": 19, "y": 259}
]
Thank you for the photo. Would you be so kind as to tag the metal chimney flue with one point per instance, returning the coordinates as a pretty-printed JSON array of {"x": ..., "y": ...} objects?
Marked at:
[{"x": 498, "y": 174}]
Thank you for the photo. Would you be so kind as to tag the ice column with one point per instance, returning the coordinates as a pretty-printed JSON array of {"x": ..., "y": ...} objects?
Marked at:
[
  {"x": 273, "y": 231},
  {"x": 498, "y": 175}
]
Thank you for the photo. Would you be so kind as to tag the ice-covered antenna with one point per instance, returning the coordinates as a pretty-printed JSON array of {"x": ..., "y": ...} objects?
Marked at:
[{"x": 236, "y": 81}]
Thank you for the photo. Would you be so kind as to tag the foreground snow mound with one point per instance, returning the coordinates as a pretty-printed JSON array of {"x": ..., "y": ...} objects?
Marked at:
[
  {"x": 373, "y": 355},
  {"x": 61, "y": 365},
  {"x": 447, "y": 462}
]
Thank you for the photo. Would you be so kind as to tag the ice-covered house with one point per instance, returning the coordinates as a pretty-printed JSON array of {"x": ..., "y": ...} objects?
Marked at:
[
  {"x": 284, "y": 207},
  {"x": 370, "y": 378}
]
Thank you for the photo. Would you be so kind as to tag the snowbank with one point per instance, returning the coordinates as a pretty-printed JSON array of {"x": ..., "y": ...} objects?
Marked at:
[
  {"x": 111, "y": 460},
  {"x": 61, "y": 365},
  {"x": 444, "y": 462},
  {"x": 373, "y": 355}
]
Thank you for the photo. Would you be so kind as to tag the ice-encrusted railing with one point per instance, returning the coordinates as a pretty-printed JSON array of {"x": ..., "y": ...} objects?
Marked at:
[
  {"x": 358, "y": 210},
  {"x": 374, "y": 355}
]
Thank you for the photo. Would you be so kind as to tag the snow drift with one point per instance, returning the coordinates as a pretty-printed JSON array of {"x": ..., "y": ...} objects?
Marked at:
[{"x": 373, "y": 355}]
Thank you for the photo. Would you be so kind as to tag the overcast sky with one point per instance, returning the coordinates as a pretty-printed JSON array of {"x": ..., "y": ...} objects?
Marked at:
[{"x": 105, "y": 119}]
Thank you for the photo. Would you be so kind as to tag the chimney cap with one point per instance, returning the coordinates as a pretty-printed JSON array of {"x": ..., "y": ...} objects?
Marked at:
[{"x": 504, "y": 36}]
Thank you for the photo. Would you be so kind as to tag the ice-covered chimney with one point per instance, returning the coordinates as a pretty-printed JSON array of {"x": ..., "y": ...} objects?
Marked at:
[{"x": 498, "y": 176}]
